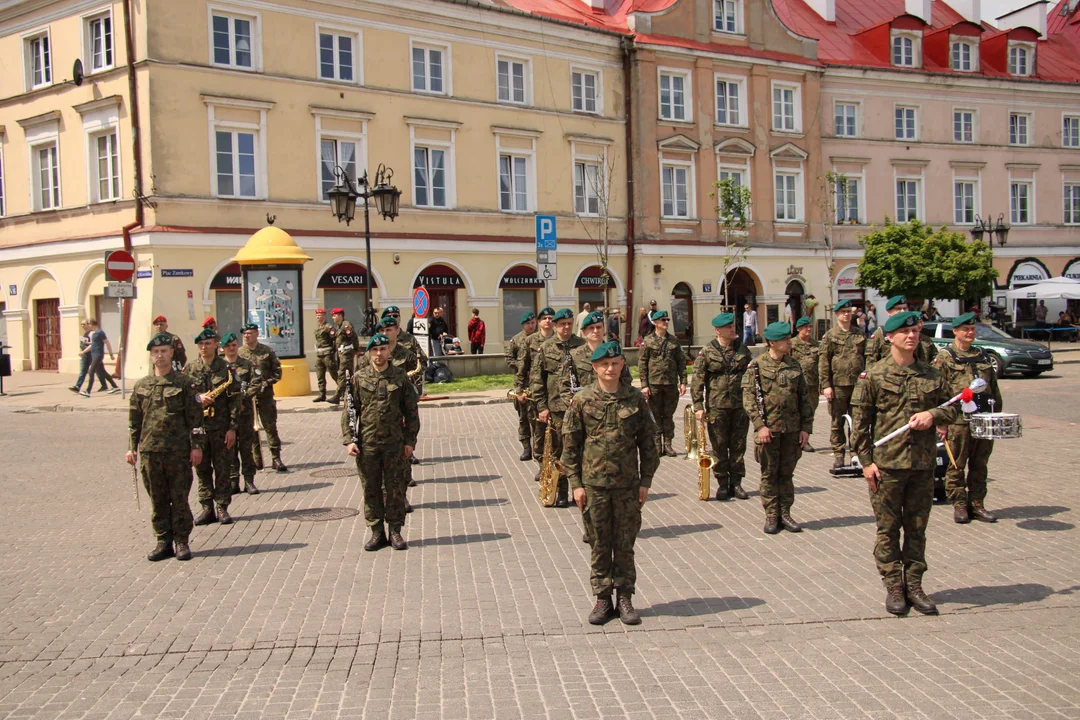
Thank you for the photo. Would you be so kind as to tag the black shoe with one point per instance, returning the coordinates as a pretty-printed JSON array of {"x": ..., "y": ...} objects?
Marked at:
[
  {"x": 334, "y": 401},
  {"x": 602, "y": 611},
  {"x": 723, "y": 492},
  {"x": 895, "y": 602},
  {"x": 74, "y": 388},
  {"x": 737, "y": 489},
  {"x": 162, "y": 550},
  {"x": 223, "y": 516},
  {"x": 789, "y": 524},
  {"x": 249, "y": 487},
  {"x": 978, "y": 512},
  {"x": 919, "y": 600},
  {"x": 537, "y": 477},
  {"x": 279, "y": 466},
  {"x": 412, "y": 483},
  {"x": 562, "y": 492},
  {"x": 772, "y": 525},
  {"x": 321, "y": 398},
  {"x": 585, "y": 539},
  {"x": 408, "y": 507},
  {"x": 207, "y": 516},
  {"x": 376, "y": 541},
  {"x": 526, "y": 453},
  {"x": 668, "y": 450},
  {"x": 235, "y": 489},
  {"x": 183, "y": 550},
  {"x": 413, "y": 460},
  {"x": 627, "y": 613},
  {"x": 960, "y": 514},
  {"x": 396, "y": 541}
]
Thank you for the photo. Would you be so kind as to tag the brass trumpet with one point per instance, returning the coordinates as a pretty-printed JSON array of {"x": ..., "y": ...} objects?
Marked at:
[
  {"x": 512, "y": 394},
  {"x": 698, "y": 443}
]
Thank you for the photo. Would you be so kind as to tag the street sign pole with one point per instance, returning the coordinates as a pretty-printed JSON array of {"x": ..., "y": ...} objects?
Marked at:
[
  {"x": 547, "y": 243},
  {"x": 120, "y": 350}
]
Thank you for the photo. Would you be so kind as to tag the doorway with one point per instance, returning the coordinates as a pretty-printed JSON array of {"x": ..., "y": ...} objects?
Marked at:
[
  {"x": 795, "y": 293},
  {"x": 741, "y": 290},
  {"x": 445, "y": 298},
  {"x": 682, "y": 311},
  {"x": 47, "y": 331}
]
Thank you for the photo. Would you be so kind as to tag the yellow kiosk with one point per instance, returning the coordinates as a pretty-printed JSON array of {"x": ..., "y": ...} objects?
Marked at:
[{"x": 272, "y": 266}]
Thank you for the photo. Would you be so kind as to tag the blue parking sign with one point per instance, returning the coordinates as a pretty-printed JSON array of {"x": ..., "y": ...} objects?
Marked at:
[{"x": 546, "y": 238}]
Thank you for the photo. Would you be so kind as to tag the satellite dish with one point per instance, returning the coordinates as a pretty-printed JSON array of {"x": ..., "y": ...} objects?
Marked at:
[{"x": 77, "y": 73}]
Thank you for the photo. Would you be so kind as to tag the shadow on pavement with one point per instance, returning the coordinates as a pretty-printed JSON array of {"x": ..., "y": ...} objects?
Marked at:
[
  {"x": 672, "y": 531},
  {"x": 312, "y": 465},
  {"x": 997, "y": 594},
  {"x": 462, "y": 479},
  {"x": 448, "y": 458},
  {"x": 798, "y": 490},
  {"x": 691, "y": 607},
  {"x": 297, "y": 488},
  {"x": 247, "y": 550},
  {"x": 458, "y": 539},
  {"x": 843, "y": 521},
  {"x": 1033, "y": 517},
  {"x": 459, "y": 504},
  {"x": 653, "y": 497}
]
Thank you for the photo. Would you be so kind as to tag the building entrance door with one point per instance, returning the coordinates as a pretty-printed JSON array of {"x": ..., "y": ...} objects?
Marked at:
[
  {"x": 445, "y": 298},
  {"x": 682, "y": 311},
  {"x": 47, "y": 330}
]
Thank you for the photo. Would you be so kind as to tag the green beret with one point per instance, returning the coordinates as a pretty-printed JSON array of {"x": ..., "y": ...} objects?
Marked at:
[
  {"x": 160, "y": 340},
  {"x": 564, "y": 314},
  {"x": 387, "y": 321},
  {"x": 206, "y": 334},
  {"x": 250, "y": 326},
  {"x": 377, "y": 340},
  {"x": 723, "y": 320},
  {"x": 527, "y": 316},
  {"x": 777, "y": 331},
  {"x": 841, "y": 305},
  {"x": 894, "y": 301},
  {"x": 965, "y": 319},
  {"x": 610, "y": 349},
  {"x": 592, "y": 318},
  {"x": 901, "y": 320},
  {"x": 390, "y": 310},
  {"x": 229, "y": 337},
  {"x": 802, "y": 321},
  {"x": 659, "y": 315},
  {"x": 549, "y": 311}
]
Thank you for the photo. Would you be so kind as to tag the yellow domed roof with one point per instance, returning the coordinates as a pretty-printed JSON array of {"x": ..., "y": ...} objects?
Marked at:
[{"x": 271, "y": 246}]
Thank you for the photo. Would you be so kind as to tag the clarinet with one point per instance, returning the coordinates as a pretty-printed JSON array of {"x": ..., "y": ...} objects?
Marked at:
[
  {"x": 759, "y": 394},
  {"x": 350, "y": 408},
  {"x": 575, "y": 386}
]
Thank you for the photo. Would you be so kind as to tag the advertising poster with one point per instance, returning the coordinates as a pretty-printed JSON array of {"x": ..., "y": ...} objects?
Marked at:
[{"x": 272, "y": 298}]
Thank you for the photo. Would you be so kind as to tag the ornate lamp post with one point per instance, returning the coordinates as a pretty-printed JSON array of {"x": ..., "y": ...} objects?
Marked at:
[
  {"x": 987, "y": 226},
  {"x": 343, "y": 198}
]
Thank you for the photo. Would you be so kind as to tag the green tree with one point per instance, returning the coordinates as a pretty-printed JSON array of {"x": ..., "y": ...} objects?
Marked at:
[
  {"x": 914, "y": 259},
  {"x": 733, "y": 208}
]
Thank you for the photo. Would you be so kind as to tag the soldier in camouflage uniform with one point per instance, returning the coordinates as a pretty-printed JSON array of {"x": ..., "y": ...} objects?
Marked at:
[
  {"x": 544, "y": 387},
  {"x": 411, "y": 344},
  {"x": 610, "y": 456},
  {"x": 382, "y": 438},
  {"x": 244, "y": 450},
  {"x": 960, "y": 364},
  {"x": 325, "y": 352},
  {"x": 804, "y": 349},
  {"x": 348, "y": 344},
  {"x": 179, "y": 353},
  {"x": 165, "y": 438},
  {"x": 901, "y": 391},
  {"x": 662, "y": 371},
  {"x": 207, "y": 373},
  {"x": 515, "y": 356},
  {"x": 717, "y": 381},
  {"x": 777, "y": 400},
  {"x": 877, "y": 347},
  {"x": 841, "y": 359},
  {"x": 523, "y": 378},
  {"x": 402, "y": 358},
  {"x": 267, "y": 373}
]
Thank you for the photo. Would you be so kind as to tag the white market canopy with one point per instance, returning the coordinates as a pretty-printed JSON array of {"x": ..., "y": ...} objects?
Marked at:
[{"x": 1059, "y": 288}]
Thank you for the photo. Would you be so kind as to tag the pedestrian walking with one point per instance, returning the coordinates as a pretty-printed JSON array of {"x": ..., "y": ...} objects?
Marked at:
[
  {"x": 750, "y": 324},
  {"x": 84, "y": 356},
  {"x": 98, "y": 344}
]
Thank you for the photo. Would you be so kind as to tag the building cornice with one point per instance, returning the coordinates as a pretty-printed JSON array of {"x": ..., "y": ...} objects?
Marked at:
[
  {"x": 432, "y": 123},
  {"x": 340, "y": 113},
  {"x": 922, "y": 78},
  {"x": 46, "y": 117},
  {"x": 237, "y": 102},
  {"x": 93, "y": 105}
]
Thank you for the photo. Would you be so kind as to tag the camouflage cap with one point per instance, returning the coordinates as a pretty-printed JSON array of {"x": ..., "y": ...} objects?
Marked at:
[
  {"x": 377, "y": 340},
  {"x": 610, "y": 349},
  {"x": 250, "y": 326},
  {"x": 802, "y": 321},
  {"x": 390, "y": 310},
  {"x": 894, "y": 301},
  {"x": 564, "y": 314},
  {"x": 229, "y": 337},
  {"x": 206, "y": 334},
  {"x": 594, "y": 318},
  {"x": 159, "y": 340},
  {"x": 841, "y": 305},
  {"x": 659, "y": 315},
  {"x": 527, "y": 316},
  {"x": 777, "y": 331},
  {"x": 965, "y": 319},
  {"x": 901, "y": 320},
  {"x": 723, "y": 320},
  {"x": 387, "y": 321}
]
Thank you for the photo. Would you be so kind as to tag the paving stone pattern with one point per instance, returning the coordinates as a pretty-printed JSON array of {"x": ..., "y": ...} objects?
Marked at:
[{"x": 485, "y": 615}]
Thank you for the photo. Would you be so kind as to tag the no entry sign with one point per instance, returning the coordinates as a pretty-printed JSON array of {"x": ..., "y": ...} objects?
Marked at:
[{"x": 119, "y": 266}]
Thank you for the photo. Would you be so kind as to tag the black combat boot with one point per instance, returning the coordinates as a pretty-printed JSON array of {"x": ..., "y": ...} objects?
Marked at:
[
  {"x": 249, "y": 486},
  {"x": 772, "y": 525},
  {"x": 207, "y": 515},
  {"x": 377, "y": 539},
  {"x": 919, "y": 599},
  {"x": 408, "y": 506},
  {"x": 235, "y": 489},
  {"x": 660, "y": 445},
  {"x": 562, "y": 492},
  {"x": 978, "y": 512},
  {"x": 895, "y": 602},
  {"x": 789, "y": 524},
  {"x": 526, "y": 451},
  {"x": 396, "y": 541},
  {"x": 602, "y": 611},
  {"x": 162, "y": 550},
  {"x": 723, "y": 488},
  {"x": 321, "y": 398},
  {"x": 279, "y": 466},
  {"x": 413, "y": 460},
  {"x": 183, "y": 550},
  {"x": 838, "y": 462},
  {"x": 588, "y": 541},
  {"x": 960, "y": 514},
  {"x": 223, "y": 515},
  {"x": 668, "y": 450},
  {"x": 536, "y": 478},
  {"x": 627, "y": 613},
  {"x": 737, "y": 488}
]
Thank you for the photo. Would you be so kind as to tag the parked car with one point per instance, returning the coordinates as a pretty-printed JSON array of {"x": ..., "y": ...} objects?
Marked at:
[{"x": 1007, "y": 353}]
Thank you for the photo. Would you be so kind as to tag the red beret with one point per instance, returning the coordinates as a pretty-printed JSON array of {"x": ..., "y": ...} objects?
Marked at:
[
  {"x": 337, "y": 311},
  {"x": 159, "y": 319},
  {"x": 320, "y": 310},
  {"x": 209, "y": 321}
]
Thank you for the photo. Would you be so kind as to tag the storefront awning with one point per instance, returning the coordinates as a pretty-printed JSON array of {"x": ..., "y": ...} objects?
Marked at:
[{"x": 345, "y": 276}]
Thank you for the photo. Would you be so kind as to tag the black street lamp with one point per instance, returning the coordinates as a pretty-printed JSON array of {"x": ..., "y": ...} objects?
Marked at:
[
  {"x": 982, "y": 227},
  {"x": 343, "y": 198}
]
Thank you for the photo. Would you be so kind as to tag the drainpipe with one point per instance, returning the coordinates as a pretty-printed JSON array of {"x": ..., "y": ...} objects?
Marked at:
[{"x": 627, "y": 56}]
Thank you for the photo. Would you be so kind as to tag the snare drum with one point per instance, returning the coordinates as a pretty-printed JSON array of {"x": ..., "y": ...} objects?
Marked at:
[{"x": 995, "y": 426}]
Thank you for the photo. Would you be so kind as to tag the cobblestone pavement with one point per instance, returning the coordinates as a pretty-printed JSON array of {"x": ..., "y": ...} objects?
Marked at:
[{"x": 484, "y": 615}]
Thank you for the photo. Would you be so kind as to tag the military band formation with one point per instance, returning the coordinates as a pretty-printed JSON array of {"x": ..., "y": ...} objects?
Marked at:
[{"x": 597, "y": 439}]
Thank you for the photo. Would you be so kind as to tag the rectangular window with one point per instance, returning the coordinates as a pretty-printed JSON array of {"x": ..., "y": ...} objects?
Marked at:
[
  {"x": 337, "y": 56},
  {"x": 907, "y": 200},
  {"x": 107, "y": 167},
  {"x": 429, "y": 177},
  {"x": 513, "y": 183},
  {"x": 235, "y": 164},
  {"x": 786, "y": 202},
  {"x": 1070, "y": 131},
  {"x": 39, "y": 61},
  {"x": 511, "y": 79},
  {"x": 99, "y": 42},
  {"x": 737, "y": 177},
  {"x": 672, "y": 96},
  {"x": 726, "y": 16},
  {"x": 46, "y": 177},
  {"x": 962, "y": 55},
  {"x": 905, "y": 123},
  {"x": 586, "y": 188},
  {"x": 963, "y": 126},
  {"x": 233, "y": 41},
  {"x": 1020, "y": 202},
  {"x": 727, "y": 103},
  {"x": 847, "y": 201},
  {"x": 427, "y": 69},
  {"x": 1072, "y": 203},
  {"x": 583, "y": 91},
  {"x": 903, "y": 51},
  {"x": 964, "y": 202},
  {"x": 333, "y": 154},
  {"x": 845, "y": 119},
  {"x": 676, "y": 194},
  {"x": 1019, "y": 61},
  {"x": 784, "y": 109},
  {"x": 1018, "y": 129}
]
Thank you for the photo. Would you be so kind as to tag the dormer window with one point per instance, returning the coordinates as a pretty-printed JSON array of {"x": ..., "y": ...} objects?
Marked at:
[
  {"x": 964, "y": 56},
  {"x": 1021, "y": 58},
  {"x": 727, "y": 16},
  {"x": 905, "y": 49}
]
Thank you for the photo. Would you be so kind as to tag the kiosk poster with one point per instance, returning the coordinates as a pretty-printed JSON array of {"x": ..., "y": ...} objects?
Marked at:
[{"x": 272, "y": 298}]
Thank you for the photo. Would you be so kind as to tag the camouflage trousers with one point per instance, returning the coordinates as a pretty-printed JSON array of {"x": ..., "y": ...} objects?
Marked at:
[
  {"x": 614, "y": 516},
  {"x": 344, "y": 362},
  {"x": 382, "y": 470},
  {"x": 902, "y": 501},
  {"x": 167, "y": 479},
  {"x": 268, "y": 417},
  {"x": 727, "y": 443},
  {"x": 972, "y": 456},
  {"x": 524, "y": 424},
  {"x": 839, "y": 406},
  {"x": 324, "y": 364},
  {"x": 213, "y": 473},
  {"x": 243, "y": 452},
  {"x": 663, "y": 400},
  {"x": 777, "y": 460}
]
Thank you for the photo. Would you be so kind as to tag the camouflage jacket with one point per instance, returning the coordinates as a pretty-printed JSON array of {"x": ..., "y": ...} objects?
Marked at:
[
  {"x": 523, "y": 375},
  {"x": 515, "y": 350},
  {"x": 580, "y": 361},
  {"x": 609, "y": 440},
  {"x": 402, "y": 357},
  {"x": 721, "y": 370},
  {"x": 878, "y": 346},
  {"x": 661, "y": 361},
  {"x": 267, "y": 368},
  {"x": 410, "y": 343},
  {"x": 544, "y": 373},
  {"x": 885, "y": 398},
  {"x": 960, "y": 368},
  {"x": 204, "y": 378},
  {"x": 806, "y": 354},
  {"x": 244, "y": 372},
  {"x": 179, "y": 355},
  {"x": 163, "y": 415},
  {"x": 325, "y": 336},
  {"x": 348, "y": 343},
  {"x": 785, "y": 396},
  {"x": 841, "y": 357},
  {"x": 386, "y": 409}
]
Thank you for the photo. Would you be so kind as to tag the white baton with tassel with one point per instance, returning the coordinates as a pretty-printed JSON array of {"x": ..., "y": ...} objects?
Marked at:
[{"x": 978, "y": 385}]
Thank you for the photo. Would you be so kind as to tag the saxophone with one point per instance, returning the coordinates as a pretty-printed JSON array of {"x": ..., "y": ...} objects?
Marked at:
[
  {"x": 214, "y": 394},
  {"x": 350, "y": 409},
  {"x": 549, "y": 472}
]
